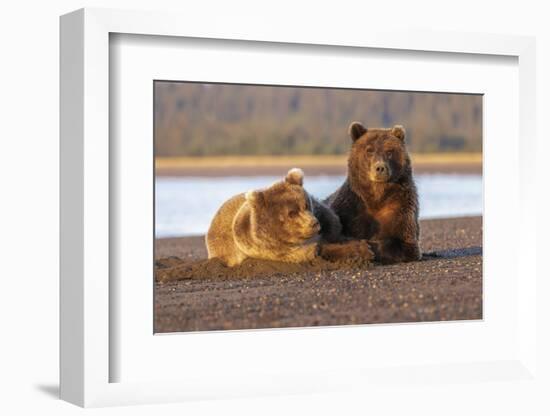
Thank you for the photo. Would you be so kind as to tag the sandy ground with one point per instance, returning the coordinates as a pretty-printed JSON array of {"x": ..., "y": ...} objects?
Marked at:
[{"x": 194, "y": 294}]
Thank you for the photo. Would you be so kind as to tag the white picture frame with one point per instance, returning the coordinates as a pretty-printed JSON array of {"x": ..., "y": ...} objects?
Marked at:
[{"x": 87, "y": 356}]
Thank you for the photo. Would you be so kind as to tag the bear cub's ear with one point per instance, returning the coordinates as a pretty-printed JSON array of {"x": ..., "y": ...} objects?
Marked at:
[
  {"x": 399, "y": 132},
  {"x": 295, "y": 176},
  {"x": 356, "y": 130}
]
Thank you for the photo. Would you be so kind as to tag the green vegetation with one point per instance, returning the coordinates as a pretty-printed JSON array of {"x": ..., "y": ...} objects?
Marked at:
[{"x": 193, "y": 119}]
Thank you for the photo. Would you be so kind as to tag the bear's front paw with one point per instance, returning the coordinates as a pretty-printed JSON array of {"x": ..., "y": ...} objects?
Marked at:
[
  {"x": 361, "y": 249},
  {"x": 354, "y": 249}
]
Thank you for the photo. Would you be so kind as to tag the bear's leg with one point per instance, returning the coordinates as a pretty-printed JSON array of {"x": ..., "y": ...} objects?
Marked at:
[
  {"x": 225, "y": 250},
  {"x": 395, "y": 250},
  {"x": 353, "y": 249},
  {"x": 299, "y": 254},
  {"x": 234, "y": 259}
]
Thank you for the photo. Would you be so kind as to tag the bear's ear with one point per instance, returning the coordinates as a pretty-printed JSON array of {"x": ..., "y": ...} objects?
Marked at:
[
  {"x": 254, "y": 197},
  {"x": 295, "y": 176},
  {"x": 356, "y": 130},
  {"x": 399, "y": 132}
]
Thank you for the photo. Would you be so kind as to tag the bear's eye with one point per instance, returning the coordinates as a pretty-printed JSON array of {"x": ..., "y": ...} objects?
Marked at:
[
  {"x": 293, "y": 214},
  {"x": 389, "y": 154},
  {"x": 370, "y": 150}
]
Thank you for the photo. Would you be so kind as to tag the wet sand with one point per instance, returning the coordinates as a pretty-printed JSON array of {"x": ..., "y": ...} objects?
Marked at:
[{"x": 194, "y": 294}]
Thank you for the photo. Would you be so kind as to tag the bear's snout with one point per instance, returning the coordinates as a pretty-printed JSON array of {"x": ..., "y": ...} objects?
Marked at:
[
  {"x": 380, "y": 171},
  {"x": 315, "y": 225}
]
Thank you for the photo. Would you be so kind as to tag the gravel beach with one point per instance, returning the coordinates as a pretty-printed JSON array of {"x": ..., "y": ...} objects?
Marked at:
[{"x": 194, "y": 294}]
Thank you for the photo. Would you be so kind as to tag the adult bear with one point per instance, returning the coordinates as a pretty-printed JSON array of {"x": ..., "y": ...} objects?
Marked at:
[{"x": 378, "y": 201}]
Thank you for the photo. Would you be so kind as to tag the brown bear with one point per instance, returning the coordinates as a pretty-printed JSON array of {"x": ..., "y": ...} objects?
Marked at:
[
  {"x": 282, "y": 223},
  {"x": 378, "y": 201}
]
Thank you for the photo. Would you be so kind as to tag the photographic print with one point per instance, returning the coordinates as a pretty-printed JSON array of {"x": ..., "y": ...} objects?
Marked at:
[{"x": 290, "y": 206}]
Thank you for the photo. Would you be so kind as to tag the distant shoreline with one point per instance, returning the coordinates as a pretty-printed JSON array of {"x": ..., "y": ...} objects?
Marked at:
[{"x": 212, "y": 166}]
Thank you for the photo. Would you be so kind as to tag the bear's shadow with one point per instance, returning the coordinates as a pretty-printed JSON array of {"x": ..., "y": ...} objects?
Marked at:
[{"x": 453, "y": 253}]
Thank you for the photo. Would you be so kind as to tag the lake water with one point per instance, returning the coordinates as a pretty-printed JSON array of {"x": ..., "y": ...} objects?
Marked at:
[{"x": 185, "y": 206}]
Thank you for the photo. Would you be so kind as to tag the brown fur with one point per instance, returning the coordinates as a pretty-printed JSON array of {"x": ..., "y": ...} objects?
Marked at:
[
  {"x": 378, "y": 201},
  {"x": 277, "y": 223}
]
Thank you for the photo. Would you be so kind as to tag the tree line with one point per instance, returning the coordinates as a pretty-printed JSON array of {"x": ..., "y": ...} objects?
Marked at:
[{"x": 197, "y": 119}]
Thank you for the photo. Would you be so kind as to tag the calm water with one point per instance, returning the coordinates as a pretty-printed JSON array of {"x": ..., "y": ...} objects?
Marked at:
[{"x": 185, "y": 206}]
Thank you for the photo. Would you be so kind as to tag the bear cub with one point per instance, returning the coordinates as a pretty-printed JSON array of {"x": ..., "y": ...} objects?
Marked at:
[
  {"x": 281, "y": 223},
  {"x": 378, "y": 201}
]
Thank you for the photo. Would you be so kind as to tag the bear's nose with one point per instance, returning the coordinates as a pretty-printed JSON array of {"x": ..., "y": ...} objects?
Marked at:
[{"x": 381, "y": 168}]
